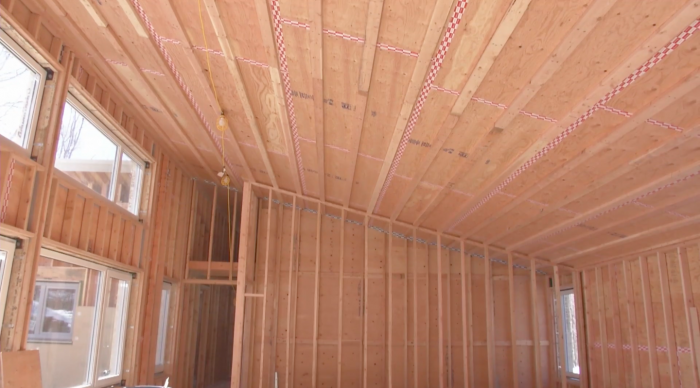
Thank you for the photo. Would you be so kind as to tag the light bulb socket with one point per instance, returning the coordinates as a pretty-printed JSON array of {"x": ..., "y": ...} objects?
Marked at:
[{"x": 221, "y": 123}]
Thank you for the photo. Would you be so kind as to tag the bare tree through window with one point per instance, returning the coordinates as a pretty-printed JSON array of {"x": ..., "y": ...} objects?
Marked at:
[
  {"x": 71, "y": 128},
  {"x": 19, "y": 83}
]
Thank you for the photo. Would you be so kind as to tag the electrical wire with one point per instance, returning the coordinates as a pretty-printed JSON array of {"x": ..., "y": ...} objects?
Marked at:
[{"x": 222, "y": 130}]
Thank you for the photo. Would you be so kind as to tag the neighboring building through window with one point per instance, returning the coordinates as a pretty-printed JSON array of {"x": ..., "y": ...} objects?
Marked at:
[
  {"x": 20, "y": 74},
  {"x": 163, "y": 327},
  {"x": 88, "y": 153},
  {"x": 78, "y": 321}
]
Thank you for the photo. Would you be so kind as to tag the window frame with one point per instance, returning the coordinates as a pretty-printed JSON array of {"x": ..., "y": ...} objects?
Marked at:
[
  {"x": 565, "y": 290},
  {"x": 122, "y": 149},
  {"x": 38, "y": 95},
  {"x": 162, "y": 347},
  {"x": 45, "y": 285},
  {"x": 6, "y": 244},
  {"x": 106, "y": 272}
]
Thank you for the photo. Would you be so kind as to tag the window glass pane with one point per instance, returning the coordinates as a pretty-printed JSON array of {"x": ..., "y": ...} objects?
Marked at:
[
  {"x": 128, "y": 184},
  {"x": 163, "y": 325},
  {"x": 3, "y": 259},
  {"x": 63, "y": 322},
  {"x": 16, "y": 108},
  {"x": 113, "y": 329},
  {"x": 570, "y": 339},
  {"x": 84, "y": 152}
]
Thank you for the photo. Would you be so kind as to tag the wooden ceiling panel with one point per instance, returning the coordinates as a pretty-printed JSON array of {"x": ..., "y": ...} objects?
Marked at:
[
  {"x": 629, "y": 22},
  {"x": 501, "y": 146},
  {"x": 479, "y": 22},
  {"x": 673, "y": 69},
  {"x": 541, "y": 29}
]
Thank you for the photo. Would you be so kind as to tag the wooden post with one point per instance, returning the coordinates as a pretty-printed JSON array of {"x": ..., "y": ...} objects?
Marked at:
[
  {"x": 365, "y": 307},
  {"x": 535, "y": 324},
  {"x": 289, "y": 291},
  {"x": 317, "y": 281},
  {"x": 560, "y": 327},
  {"x": 668, "y": 320},
  {"x": 490, "y": 335},
  {"x": 689, "y": 303},
  {"x": 264, "y": 293},
  {"x": 340, "y": 298},
  {"x": 580, "y": 331},
  {"x": 632, "y": 323},
  {"x": 649, "y": 321},
  {"x": 415, "y": 312},
  {"x": 390, "y": 311},
  {"x": 441, "y": 335},
  {"x": 601, "y": 325},
  {"x": 465, "y": 350},
  {"x": 513, "y": 324},
  {"x": 242, "y": 279},
  {"x": 617, "y": 330},
  {"x": 211, "y": 232}
]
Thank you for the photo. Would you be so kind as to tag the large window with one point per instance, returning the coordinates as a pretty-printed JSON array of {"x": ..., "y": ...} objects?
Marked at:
[
  {"x": 78, "y": 321},
  {"x": 163, "y": 327},
  {"x": 21, "y": 82},
  {"x": 90, "y": 154},
  {"x": 7, "y": 252},
  {"x": 568, "y": 309}
]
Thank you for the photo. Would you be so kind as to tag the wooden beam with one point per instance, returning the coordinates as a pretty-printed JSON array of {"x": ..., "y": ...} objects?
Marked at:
[
  {"x": 441, "y": 334},
  {"x": 665, "y": 33},
  {"x": 212, "y": 224},
  {"x": 265, "y": 283},
  {"x": 431, "y": 40},
  {"x": 632, "y": 324},
  {"x": 317, "y": 284},
  {"x": 365, "y": 305},
  {"x": 669, "y": 326},
  {"x": 289, "y": 292},
  {"x": 488, "y": 302},
  {"x": 560, "y": 328},
  {"x": 645, "y": 213},
  {"x": 581, "y": 335},
  {"x": 643, "y": 234},
  {"x": 688, "y": 305},
  {"x": 605, "y": 356},
  {"x": 374, "y": 17},
  {"x": 535, "y": 324},
  {"x": 639, "y": 119},
  {"x": 649, "y": 321},
  {"x": 341, "y": 279},
  {"x": 617, "y": 329},
  {"x": 242, "y": 279},
  {"x": 513, "y": 323}
]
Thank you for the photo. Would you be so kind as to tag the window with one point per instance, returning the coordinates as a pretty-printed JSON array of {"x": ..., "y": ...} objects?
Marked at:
[
  {"x": 88, "y": 153},
  {"x": 78, "y": 321},
  {"x": 7, "y": 252},
  {"x": 163, "y": 327},
  {"x": 568, "y": 309},
  {"x": 24, "y": 77}
]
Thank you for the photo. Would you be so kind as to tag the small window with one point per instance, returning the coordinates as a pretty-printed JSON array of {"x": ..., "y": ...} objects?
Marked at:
[
  {"x": 163, "y": 327},
  {"x": 20, "y": 74},
  {"x": 78, "y": 321},
  {"x": 89, "y": 154},
  {"x": 568, "y": 309}
]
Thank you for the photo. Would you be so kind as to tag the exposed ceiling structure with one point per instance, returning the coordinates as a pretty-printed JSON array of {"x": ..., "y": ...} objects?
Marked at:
[{"x": 564, "y": 130}]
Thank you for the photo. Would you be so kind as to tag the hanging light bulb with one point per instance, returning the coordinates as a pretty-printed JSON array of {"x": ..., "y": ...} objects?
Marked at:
[
  {"x": 221, "y": 123},
  {"x": 225, "y": 179}
]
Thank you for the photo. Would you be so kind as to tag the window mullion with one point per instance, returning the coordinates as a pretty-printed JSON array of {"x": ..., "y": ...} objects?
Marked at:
[
  {"x": 115, "y": 174},
  {"x": 97, "y": 330}
]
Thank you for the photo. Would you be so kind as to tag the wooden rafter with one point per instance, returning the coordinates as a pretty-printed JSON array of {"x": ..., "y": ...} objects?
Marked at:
[
  {"x": 488, "y": 58},
  {"x": 430, "y": 42},
  {"x": 316, "y": 48},
  {"x": 665, "y": 33},
  {"x": 684, "y": 89}
]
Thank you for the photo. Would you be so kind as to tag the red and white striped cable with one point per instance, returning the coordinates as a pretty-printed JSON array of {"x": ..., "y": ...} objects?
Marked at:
[
  {"x": 435, "y": 66},
  {"x": 287, "y": 85},
  {"x": 643, "y": 69},
  {"x": 178, "y": 77}
]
